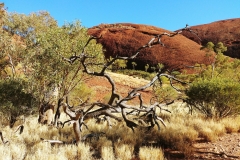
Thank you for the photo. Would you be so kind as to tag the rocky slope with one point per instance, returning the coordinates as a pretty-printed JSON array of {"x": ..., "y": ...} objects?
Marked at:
[
  {"x": 124, "y": 39},
  {"x": 226, "y": 31}
]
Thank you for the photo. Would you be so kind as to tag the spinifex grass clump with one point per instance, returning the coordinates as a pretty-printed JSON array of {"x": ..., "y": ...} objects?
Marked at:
[
  {"x": 118, "y": 142},
  {"x": 146, "y": 153}
]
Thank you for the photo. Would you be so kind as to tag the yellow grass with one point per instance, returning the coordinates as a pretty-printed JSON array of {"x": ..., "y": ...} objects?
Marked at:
[
  {"x": 124, "y": 151},
  {"x": 107, "y": 153},
  {"x": 146, "y": 153},
  {"x": 118, "y": 142}
]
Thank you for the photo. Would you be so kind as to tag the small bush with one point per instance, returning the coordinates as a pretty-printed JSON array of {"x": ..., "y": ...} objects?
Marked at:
[
  {"x": 165, "y": 94},
  {"x": 81, "y": 91},
  {"x": 216, "y": 98},
  {"x": 15, "y": 100}
]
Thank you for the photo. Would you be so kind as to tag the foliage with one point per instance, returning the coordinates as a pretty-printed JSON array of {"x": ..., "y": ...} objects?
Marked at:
[
  {"x": 146, "y": 67},
  {"x": 15, "y": 100},
  {"x": 165, "y": 94},
  {"x": 43, "y": 58},
  {"x": 10, "y": 51},
  {"x": 214, "y": 90},
  {"x": 26, "y": 25},
  {"x": 2, "y": 13},
  {"x": 118, "y": 64},
  {"x": 216, "y": 98},
  {"x": 80, "y": 92},
  {"x": 46, "y": 45},
  {"x": 160, "y": 66},
  {"x": 134, "y": 64},
  {"x": 223, "y": 67},
  {"x": 218, "y": 48}
]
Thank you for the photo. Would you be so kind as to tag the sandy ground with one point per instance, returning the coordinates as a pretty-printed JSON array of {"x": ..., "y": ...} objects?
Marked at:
[
  {"x": 226, "y": 147},
  {"x": 124, "y": 84}
]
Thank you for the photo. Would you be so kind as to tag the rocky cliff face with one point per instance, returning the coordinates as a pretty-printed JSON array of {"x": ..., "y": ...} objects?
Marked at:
[
  {"x": 225, "y": 31},
  {"x": 124, "y": 39}
]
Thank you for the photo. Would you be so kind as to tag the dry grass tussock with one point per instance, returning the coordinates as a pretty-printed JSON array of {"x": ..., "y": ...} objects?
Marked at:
[
  {"x": 118, "y": 142},
  {"x": 146, "y": 153}
]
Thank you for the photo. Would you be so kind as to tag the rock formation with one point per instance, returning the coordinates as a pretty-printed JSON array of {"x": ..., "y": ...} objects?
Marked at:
[
  {"x": 123, "y": 39},
  {"x": 225, "y": 31}
]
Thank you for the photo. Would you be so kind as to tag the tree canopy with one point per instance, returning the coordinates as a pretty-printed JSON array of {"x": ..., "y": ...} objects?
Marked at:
[{"x": 33, "y": 48}]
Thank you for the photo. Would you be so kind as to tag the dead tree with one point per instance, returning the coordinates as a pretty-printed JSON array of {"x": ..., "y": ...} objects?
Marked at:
[
  {"x": 74, "y": 118},
  {"x": 46, "y": 113},
  {"x": 116, "y": 103},
  {"x": 129, "y": 123},
  {"x": 3, "y": 141},
  {"x": 20, "y": 129}
]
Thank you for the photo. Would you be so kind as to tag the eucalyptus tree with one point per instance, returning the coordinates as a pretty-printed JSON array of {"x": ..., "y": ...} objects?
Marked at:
[
  {"x": 46, "y": 58},
  {"x": 49, "y": 49},
  {"x": 15, "y": 99},
  {"x": 45, "y": 46},
  {"x": 10, "y": 48}
]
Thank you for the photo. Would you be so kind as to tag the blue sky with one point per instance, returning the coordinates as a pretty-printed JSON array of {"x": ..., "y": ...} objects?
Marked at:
[{"x": 167, "y": 14}]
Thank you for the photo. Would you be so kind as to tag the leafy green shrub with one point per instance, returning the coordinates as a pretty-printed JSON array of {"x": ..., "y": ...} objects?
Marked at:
[
  {"x": 164, "y": 94},
  {"x": 217, "y": 97},
  {"x": 15, "y": 101},
  {"x": 81, "y": 91}
]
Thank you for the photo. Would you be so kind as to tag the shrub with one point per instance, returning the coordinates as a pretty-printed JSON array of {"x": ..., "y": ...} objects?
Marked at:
[
  {"x": 164, "y": 94},
  {"x": 215, "y": 98},
  {"x": 15, "y": 100},
  {"x": 81, "y": 91}
]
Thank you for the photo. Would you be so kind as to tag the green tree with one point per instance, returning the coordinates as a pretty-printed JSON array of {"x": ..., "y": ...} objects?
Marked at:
[
  {"x": 10, "y": 48},
  {"x": 209, "y": 46},
  {"x": 220, "y": 48},
  {"x": 146, "y": 67},
  {"x": 217, "y": 52},
  {"x": 134, "y": 64},
  {"x": 45, "y": 46},
  {"x": 160, "y": 66},
  {"x": 118, "y": 64},
  {"x": 214, "y": 91},
  {"x": 2, "y": 13}
]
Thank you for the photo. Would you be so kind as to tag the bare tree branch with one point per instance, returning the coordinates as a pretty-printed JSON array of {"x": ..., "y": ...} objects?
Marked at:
[
  {"x": 20, "y": 128},
  {"x": 4, "y": 142},
  {"x": 117, "y": 104}
]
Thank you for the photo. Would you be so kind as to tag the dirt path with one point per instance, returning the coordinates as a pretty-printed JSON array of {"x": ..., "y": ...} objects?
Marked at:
[{"x": 226, "y": 147}]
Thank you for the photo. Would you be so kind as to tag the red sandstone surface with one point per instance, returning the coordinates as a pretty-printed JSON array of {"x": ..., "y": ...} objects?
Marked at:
[
  {"x": 226, "y": 31},
  {"x": 123, "y": 39}
]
